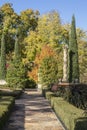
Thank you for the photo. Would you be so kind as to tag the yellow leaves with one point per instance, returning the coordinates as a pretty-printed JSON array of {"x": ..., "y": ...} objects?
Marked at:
[
  {"x": 46, "y": 51},
  {"x": 29, "y": 17},
  {"x": 7, "y": 9},
  {"x": 64, "y": 34},
  {"x": 50, "y": 29},
  {"x": 6, "y": 24}
]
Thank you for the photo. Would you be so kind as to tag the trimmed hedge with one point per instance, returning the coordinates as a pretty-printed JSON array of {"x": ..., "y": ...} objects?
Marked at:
[
  {"x": 13, "y": 93},
  {"x": 72, "y": 117},
  {"x": 75, "y": 94},
  {"x": 6, "y": 105}
]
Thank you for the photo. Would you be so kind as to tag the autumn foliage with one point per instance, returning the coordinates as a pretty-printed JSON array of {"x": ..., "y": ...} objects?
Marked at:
[{"x": 46, "y": 51}]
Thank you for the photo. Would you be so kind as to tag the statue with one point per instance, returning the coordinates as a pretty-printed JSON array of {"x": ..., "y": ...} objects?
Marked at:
[{"x": 65, "y": 63}]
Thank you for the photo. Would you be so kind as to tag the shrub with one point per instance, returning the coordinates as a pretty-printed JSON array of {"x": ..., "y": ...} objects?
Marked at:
[
  {"x": 6, "y": 105},
  {"x": 48, "y": 70},
  {"x": 30, "y": 83},
  {"x": 16, "y": 75}
]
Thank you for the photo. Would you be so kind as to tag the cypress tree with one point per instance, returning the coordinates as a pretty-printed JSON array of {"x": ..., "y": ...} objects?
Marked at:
[
  {"x": 73, "y": 53},
  {"x": 17, "y": 49},
  {"x": 16, "y": 70},
  {"x": 3, "y": 58}
]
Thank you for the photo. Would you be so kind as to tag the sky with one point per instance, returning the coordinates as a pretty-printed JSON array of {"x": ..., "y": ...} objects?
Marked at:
[{"x": 66, "y": 8}]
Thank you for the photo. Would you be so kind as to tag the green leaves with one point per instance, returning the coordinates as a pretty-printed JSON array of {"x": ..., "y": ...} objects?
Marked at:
[
  {"x": 48, "y": 70},
  {"x": 73, "y": 54},
  {"x": 16, "y": 75},
  {"x": 3, "y": 58},
  {"x": 29, "y": 19}
]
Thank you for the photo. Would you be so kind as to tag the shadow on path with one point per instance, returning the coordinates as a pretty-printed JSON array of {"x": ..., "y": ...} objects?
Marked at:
[{"x": 33, "y": 112}]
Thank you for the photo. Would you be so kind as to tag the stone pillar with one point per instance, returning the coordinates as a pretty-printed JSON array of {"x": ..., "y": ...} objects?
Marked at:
[
  {"x": 39, "y": 84},
  {"x": 65, "y": 63}
]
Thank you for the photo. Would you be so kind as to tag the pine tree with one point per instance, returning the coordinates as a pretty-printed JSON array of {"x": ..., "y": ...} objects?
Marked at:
[
  {"x": 73, "y": 53},
  {"x": 3, "y": 58}
]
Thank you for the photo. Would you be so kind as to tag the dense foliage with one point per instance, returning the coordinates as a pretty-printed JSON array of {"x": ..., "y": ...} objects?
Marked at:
[
  {"x": 48, "y": 71},
  {"x": 6, "y": 106},
  {"x": 16, "y": 70},
  {"x": 3, "y": 58},
  {"x": 73, "y": 54},
  {"x": 32, "y": 53},
  {"x": 16, "y": 75},
  {"x": 36, "y": 32}
]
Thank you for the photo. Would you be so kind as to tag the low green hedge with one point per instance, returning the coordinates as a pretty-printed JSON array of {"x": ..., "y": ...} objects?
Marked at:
[
  {"x": 73, "y": 117},
  {"x": 6, "y": 105},
  {"x": 14, "y": 93}
]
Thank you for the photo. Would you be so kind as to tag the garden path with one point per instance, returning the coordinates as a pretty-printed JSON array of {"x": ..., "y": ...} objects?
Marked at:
[{"x": 33, "y": 112}]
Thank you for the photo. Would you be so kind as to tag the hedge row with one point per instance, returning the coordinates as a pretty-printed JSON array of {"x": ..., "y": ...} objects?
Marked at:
[
  {"x": 76, "y": 95},
  {"x": 13, "y": 93},
  {"x": 72, "y": 117},
  {"x": 6, "y": 105}
]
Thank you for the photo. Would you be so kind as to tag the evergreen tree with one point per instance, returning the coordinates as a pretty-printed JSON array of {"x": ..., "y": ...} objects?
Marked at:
[
  {"x": 48, "y": 71},
  {"x": 73, "y": 53},
  {"x": 17, "y": 55},
  {"x": 3, "y": 58},
  {"x": 16, "y": 74}
]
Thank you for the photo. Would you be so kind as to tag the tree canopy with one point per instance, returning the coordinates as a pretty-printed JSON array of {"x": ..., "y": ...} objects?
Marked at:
[{"x": 41, "y": 39}]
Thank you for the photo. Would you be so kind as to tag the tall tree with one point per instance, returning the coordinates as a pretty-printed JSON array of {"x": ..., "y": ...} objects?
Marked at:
[
  {"x": 3, "y": 58},
  {"x": 10, "y": 19},
  {"x": 3, "y": 51},
  {"x": 47, "y": 32},
  {"x": 16, "y": 73},
  {"x": 73, "y": 53},
  {"x": 29, "y": 19},
  {"x": 17, "y": 54}
]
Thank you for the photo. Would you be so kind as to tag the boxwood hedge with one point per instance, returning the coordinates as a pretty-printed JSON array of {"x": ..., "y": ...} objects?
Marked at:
[
  {"x": 72, "y": 117},
  {"x": 6, "y": 105}
]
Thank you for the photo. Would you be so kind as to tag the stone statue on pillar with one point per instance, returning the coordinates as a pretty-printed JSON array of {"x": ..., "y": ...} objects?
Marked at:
[{"x": 65, "y": 63}]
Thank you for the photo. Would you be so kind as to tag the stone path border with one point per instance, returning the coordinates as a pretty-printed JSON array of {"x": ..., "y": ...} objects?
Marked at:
[{"x": 33, "y": 112}]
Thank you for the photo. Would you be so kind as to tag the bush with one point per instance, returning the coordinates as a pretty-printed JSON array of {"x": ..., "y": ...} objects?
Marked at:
[
  {"x": 30, "y": 84},
  {"x": 48, "y": 70},
  {"x": 16, "y": 75},
  {"x": 6, "y": 105}
]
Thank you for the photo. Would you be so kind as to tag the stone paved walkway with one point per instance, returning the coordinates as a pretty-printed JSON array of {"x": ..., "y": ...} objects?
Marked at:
[{"x": 33, "y": 112}]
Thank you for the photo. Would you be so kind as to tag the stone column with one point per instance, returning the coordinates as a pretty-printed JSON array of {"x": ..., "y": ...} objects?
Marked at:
[
  {"x": 65, "y": 63},
  {"x": 39, "y": 84}
]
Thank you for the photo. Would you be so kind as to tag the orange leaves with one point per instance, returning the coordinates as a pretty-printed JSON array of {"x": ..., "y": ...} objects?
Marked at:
[
  {"x": 46, "y": 51},
  {"x": 34, "y": 74}
]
